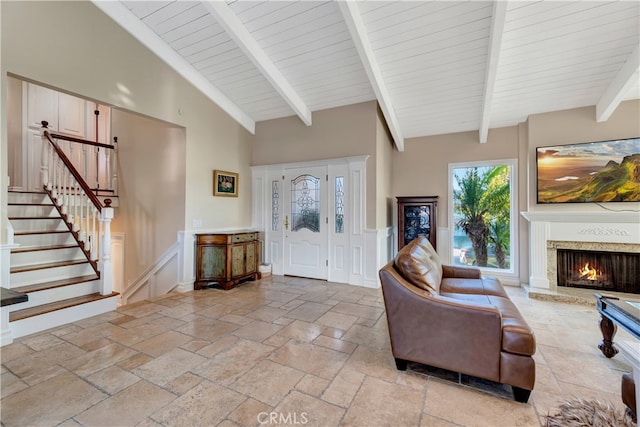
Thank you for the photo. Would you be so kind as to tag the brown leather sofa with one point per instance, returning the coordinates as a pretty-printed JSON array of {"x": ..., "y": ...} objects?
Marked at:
[{"x": 452, "y": 318}]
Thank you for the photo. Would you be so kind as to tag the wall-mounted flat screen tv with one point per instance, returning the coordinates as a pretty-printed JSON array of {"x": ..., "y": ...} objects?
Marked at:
[{"x": 592, "y": 172}]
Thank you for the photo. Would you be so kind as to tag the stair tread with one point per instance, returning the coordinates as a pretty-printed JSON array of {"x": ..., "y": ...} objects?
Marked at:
[
  {"x": 24, "y": 249},
  {"x": 56, "y": 283},
  {"x": 24, "y": 268},
  {"x": 58, "y": 305},
  {"x": 29, "y": 204},
  {"x": 26, "y": 233},
  {"x": 34, "y": 217},
  {"x": 27, "y": 192}
]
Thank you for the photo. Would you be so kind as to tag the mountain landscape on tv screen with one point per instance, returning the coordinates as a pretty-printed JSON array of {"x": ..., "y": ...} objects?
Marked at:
[{"x": 598, "y": 172}]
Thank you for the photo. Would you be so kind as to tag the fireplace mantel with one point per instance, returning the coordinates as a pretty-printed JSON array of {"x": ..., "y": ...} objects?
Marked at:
[
  {"x": 581, "y": 217},
  {"x": 597, "y": 227}
]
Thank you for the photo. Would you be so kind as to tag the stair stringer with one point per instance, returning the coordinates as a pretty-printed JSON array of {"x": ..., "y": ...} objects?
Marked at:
[
  {"x": 50, "y": 306},
  {"x": 34, "y": 324}
]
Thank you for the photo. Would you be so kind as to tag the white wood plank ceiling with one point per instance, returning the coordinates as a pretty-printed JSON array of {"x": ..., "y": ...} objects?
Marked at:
[{"x": 435, "y": 67}]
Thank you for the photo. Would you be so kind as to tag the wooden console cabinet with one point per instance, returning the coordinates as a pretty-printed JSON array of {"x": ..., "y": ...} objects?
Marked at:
[
  {"x": 416, "y": 216},
  {"x": 227, "y": 258}
]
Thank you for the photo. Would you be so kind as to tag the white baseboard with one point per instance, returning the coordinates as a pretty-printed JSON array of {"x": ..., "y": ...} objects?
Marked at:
[
  {"x": 32, "y": 325},
  {"x": 5, "y": 338},
  {"x": 184, "y": 287}
]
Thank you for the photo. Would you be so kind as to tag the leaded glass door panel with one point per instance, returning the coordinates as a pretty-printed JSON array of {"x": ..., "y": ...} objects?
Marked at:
[
  {"x": 305, "y": 223},
  {"x": 416, "y": 217}
]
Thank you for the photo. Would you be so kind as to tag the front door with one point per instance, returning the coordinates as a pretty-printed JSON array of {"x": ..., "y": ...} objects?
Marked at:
[{"x": 306, "y": 229}]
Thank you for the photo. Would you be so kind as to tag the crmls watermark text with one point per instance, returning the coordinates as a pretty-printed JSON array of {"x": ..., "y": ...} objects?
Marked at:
[{"x": 292, "y": 418}]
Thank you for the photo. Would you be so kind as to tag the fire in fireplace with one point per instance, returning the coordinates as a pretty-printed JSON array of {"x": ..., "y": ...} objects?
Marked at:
[
  {"x": 607, "y": 271},
  {"x": 589, "y": 273}
]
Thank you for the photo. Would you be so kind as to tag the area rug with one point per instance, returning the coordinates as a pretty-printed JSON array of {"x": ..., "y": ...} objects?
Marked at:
[{"x": 589, "y": 413}]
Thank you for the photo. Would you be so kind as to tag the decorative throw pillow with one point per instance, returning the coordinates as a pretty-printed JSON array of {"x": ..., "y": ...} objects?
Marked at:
[{"x": 420, "y": 264}]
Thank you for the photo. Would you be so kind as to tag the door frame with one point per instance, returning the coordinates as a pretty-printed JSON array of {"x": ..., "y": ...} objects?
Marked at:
[{"x": 347, "y": 251}]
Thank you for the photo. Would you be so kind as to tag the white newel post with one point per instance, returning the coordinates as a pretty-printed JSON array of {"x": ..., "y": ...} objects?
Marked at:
[
  {"x": 104, "y": 264},
  {"x": 44, "y": 160}
]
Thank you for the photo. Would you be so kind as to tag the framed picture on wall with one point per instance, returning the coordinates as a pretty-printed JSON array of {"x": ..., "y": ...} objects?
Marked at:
[{"x": 225, "y": 183}]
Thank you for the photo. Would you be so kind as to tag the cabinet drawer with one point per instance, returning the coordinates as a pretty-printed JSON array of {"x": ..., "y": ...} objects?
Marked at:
[
  {"x": 209, "y": 239},
  {"x": 245, "y": 237}
]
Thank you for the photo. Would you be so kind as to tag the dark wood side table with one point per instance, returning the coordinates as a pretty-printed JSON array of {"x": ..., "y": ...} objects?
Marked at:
[{"x": 227, "y": 258}]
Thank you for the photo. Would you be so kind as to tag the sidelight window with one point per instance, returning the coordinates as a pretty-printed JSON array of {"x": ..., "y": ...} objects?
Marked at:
[
  {"x": 275, "y": 205},
  {"x": 339, "y": 204}
]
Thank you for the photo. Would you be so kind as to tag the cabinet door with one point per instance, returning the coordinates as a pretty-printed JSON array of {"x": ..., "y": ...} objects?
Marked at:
[
  {"x": 32, "y": 177},
  {"x": 71, "y": 115},
  {"x": 417, "y": 222},
  {"x": 250, "y": 259},
  {"x": 416, "y": 217},
  {"x": 237, "y": 260},
  {"x": 211, "y": 262},
  {"x": 42, "y": 104}
]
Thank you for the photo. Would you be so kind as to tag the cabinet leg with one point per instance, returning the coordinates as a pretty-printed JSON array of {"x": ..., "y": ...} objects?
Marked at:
[{"x": 608, "y": 329}]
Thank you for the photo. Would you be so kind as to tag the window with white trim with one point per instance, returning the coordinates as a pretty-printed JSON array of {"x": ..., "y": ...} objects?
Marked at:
[{"x": 482, "y": 214}]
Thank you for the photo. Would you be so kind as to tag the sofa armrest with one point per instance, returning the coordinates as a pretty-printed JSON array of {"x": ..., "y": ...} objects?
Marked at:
[
  {"x": 458, "y": 272},
  {"x": 460, "y": 336}
]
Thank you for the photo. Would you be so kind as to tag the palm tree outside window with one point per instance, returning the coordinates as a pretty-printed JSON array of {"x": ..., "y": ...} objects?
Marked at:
[{"x": 482, "y": 204}]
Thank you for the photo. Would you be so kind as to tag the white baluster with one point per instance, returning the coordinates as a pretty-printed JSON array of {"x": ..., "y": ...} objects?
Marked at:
[
  {"x": 52, "y": 162},
  {"x": 70, "y": 148},
  {"x": 54, "y": 172},
  {"x": 104, "y": 265},
  {"x": 58, "y": 179},
  {"x": 94, "y": 236},
  {"x": 76, "y": 201},
  {"x": 44, "y": 164},
  {"x": 64, "y": 197},
  {"x": 114, "y": 166},
  {"x": 87, "y": 212},
  {"x": 107, "y": 167},
  {"x": 85, "y": 158},
  {"x": 96, "y": 162},
  {"x": 81, "y": 221}
]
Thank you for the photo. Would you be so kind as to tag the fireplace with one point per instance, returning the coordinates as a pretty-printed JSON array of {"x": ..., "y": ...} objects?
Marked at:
[
  {"x": 602, "y": 231},
  {"x": 601, "y": 270}
]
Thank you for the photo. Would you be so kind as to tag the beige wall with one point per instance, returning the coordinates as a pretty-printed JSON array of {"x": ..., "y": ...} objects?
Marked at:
[
  {"x": 74, "y": 47},
  {"x": 151, "y": 168},
  {"x": 422, "y": 168},
  {"x": 335, "y": 133},
  {"x": 578, "y": 125},
  {"x": 384, "y": 174}
]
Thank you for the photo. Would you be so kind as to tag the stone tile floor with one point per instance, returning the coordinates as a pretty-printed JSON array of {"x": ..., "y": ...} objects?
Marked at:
[{"x": 282, "y": 350}]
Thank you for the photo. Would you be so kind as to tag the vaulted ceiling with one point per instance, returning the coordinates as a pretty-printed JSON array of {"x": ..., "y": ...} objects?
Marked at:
[{"x": 434, "y": 67}]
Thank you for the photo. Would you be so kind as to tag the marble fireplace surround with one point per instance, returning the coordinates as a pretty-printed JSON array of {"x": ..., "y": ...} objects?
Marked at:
[{"x": 602, "y": 231}]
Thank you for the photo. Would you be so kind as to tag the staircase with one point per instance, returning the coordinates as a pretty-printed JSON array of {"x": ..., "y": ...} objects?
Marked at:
[{"x": 51, "y": 266}]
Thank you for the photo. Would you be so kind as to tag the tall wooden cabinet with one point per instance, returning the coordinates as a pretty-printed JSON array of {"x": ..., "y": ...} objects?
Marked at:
[
  {"x": 227, "y": 258},
  {"x": 417, "y": 216}
]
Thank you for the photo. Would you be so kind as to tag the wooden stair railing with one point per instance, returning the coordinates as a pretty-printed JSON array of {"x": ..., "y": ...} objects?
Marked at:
[
  {"x": 108, "y": 176},
  {"x": 82, "y": 210}
]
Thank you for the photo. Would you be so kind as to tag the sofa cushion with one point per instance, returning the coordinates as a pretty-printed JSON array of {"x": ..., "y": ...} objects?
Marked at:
[
  {"x": 420, "y": 264},
  {"x": 484, "y": 285}
]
